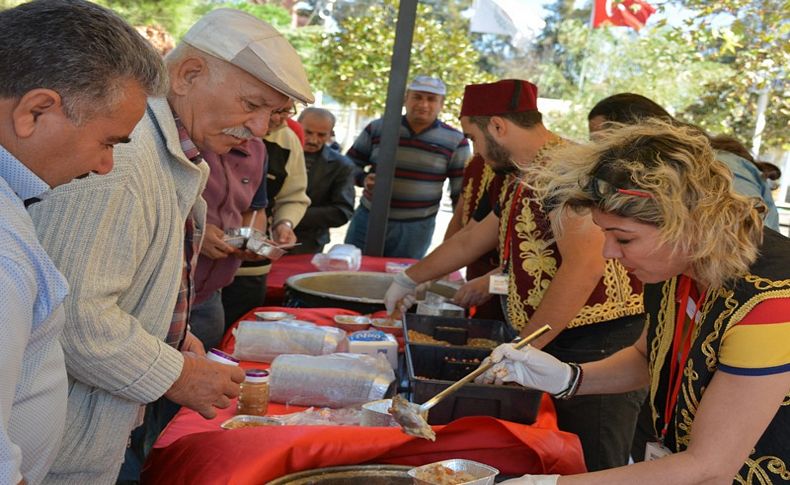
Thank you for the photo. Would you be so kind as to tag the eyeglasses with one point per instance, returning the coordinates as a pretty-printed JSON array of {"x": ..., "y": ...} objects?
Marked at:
[{"x": 288, "y": 112}]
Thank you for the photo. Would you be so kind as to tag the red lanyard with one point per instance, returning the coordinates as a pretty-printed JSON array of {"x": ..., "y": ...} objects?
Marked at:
[
  {"x": 681, "y": 342},
  {"x": 510, "y": 223}
]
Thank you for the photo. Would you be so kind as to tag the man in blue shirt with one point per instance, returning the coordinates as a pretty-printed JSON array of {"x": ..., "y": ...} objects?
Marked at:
[{"x": 74, "y": 78}]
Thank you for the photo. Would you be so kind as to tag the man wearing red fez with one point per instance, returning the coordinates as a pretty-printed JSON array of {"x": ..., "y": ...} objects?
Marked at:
[
  {"x": 593, "y": 306},
  {"x": 480, "y": 191}
]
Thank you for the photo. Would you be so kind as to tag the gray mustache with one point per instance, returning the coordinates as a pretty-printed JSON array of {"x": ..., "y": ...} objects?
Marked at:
[{"x": 239, "y": 132}]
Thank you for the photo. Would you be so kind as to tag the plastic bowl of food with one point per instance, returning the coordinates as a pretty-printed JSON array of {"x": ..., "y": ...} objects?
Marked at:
[
  {"x": 249, "y": 421},
  {"x": 274, "y": 316},
  {"x": 454, "y": 472},
  {"x": 388, "y": 325},
  {"x": 352, "y": 323}
]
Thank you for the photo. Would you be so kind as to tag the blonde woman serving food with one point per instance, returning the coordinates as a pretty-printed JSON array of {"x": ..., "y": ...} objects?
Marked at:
[{"x": 715, "y": 352}]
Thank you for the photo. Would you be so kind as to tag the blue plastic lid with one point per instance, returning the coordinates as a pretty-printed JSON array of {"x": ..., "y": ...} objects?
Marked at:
[{"x": 368, "y": 336}]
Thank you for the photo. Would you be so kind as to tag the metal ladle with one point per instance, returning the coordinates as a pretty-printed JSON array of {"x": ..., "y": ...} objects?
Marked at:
[{"x": 413, "y": 417}]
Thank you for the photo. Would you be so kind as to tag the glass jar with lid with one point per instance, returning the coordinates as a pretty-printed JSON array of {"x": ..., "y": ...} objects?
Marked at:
[{"x": 254, "y": 393}]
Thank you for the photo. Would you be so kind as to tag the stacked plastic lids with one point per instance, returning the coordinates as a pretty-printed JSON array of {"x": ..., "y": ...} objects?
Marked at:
[
  {"x": 336, "y": 380},
  {"x": 263, "y": 341}
]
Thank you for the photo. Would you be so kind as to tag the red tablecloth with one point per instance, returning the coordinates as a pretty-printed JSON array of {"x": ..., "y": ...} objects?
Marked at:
[
  {"x": 195, "y": 450},
  {"x": 290, "y": 265}
]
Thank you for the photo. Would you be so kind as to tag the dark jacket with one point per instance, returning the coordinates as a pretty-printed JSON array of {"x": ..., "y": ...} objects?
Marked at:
[{"x": 330, "y": 186}]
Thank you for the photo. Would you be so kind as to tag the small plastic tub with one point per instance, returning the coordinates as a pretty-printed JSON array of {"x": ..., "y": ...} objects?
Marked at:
[{"x": 221, "y": 357}]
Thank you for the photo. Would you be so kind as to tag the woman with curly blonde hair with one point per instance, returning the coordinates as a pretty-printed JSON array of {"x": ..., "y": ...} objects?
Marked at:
[{"x": 715, "y": 351}]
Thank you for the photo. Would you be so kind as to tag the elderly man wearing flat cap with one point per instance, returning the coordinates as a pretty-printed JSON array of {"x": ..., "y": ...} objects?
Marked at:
[
  {"x": 593, "y": 306},
  {"x": 429, "y": 152},
  {"x": 127, "y": 242}
]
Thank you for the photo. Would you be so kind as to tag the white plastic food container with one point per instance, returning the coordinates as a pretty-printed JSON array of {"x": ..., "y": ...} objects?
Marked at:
[{"x": 374, "y": 342}]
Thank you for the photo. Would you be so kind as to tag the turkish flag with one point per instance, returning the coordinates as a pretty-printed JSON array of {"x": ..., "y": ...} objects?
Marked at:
[{"x": 626, "y": 13}]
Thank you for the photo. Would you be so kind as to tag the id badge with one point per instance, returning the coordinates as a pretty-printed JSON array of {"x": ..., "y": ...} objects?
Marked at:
[
  {"x": 655, "y": 450},
  {"x": 498, "y": 284}
]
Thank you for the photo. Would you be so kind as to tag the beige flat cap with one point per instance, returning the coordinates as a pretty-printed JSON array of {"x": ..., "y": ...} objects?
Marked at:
[{"x": 253, "y": 45}]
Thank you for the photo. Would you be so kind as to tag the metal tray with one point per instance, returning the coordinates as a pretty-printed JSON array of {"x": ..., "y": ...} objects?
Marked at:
[{"x": 350, "y": 475}]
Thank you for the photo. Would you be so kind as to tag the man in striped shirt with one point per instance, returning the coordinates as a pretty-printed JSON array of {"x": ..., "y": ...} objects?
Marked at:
[{"x": 429, "y": 151}]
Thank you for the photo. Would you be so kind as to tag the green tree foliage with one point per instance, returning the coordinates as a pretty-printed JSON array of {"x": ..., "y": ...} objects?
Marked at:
[
  {"x": 353, "y": 64},
  {"x": 752, "y": 37},
  {"x": 175, "y": 16},
  {"x": 271, "y": 13},
  {"x": 585, "y": 65}
]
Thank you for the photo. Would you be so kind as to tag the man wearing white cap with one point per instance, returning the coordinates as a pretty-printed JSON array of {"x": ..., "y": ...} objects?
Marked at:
[
  {"x": 127, "y": 242},
  {"x": 429, "y": 152}
]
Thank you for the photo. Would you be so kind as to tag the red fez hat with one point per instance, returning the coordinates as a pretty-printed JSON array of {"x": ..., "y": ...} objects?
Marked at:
[{"x": 501, "y": 97}]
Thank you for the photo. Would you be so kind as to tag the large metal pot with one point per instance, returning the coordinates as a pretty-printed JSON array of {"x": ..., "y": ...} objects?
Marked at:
[
  {"x": 349, "y": 475},
  {"x": 360, "y": 291}
]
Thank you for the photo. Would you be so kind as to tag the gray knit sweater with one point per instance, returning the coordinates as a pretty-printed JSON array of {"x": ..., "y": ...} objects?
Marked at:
[{"x": 119, "y": 240}]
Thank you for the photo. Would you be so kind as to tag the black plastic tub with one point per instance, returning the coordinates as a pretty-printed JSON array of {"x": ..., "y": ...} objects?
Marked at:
[
  {"x": 457, "y": 331},
  {"x": 433, "y": 368}
]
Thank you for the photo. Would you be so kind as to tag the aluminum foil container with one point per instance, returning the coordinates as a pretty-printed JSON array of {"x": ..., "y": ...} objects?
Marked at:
[
  {"x": 376, "y": 414},
  {"x": 263, "y": 341},
  {"x": 260, "y": 245},
  {"x": 336, "y": 380},
  {"x": 248, "y": 421},
  {"x": 483, "y": 474},
  {"x": 235, "y": 241},
  {"x": 253, "y": 240},
  {"x": 274, "y": 316}
]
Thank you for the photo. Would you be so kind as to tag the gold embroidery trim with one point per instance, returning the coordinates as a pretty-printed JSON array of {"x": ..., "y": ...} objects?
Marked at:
[
  {"x": 539, "y": 262},
  {"x": 661, "y": 345}
]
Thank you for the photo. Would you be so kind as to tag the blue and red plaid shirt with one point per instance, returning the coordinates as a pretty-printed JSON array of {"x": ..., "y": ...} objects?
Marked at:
[{"x": 186, "y": 293}]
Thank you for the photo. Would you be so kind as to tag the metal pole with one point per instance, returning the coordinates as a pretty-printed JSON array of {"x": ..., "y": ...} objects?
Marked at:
[
  {"x": 390, "y": 130},
  {"x": 759, "y": 125}
]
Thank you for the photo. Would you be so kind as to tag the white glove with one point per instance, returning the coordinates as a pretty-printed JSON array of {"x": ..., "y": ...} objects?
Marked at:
[
  {"x": 529, "y": 367},
  {"x": 533, "y": 480},
  {"x": 401, "y": 294}
]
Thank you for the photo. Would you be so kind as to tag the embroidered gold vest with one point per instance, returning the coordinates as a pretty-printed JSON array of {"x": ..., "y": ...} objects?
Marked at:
[
  {"x": 769, "y": 277},
  {"x": 534, "y": 258},
  {"x": 480, "y": 182},
  {"x": 477, "y": 177}
]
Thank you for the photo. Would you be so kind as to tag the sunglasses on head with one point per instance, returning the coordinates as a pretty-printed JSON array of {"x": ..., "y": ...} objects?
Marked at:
[{"x": 605, "y": 181}]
